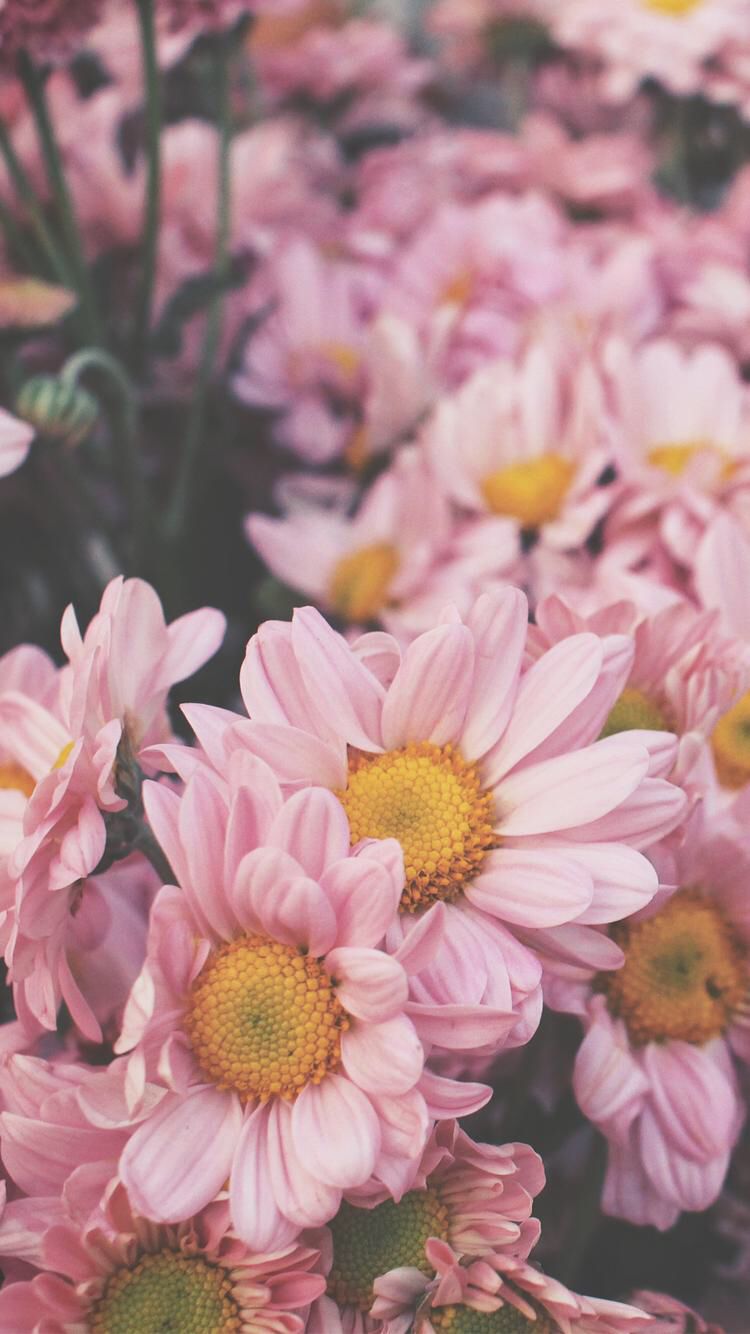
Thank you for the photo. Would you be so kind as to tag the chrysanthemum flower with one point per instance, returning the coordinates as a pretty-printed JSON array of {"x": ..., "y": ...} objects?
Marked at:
[
  {"x": 265, "y": 1009},
  {"x": 683, "y": 677},
  {"x": 512, "y": 442},
  {"x": 655, "y": 1071},
  {"x": 500, "y": 814},
  {"x": 474, "y": 1196},
  {"x": 47, "y": 29},
  {"x": 370, "y": 566},
  {"x": 125, "y": 1273},
  {"x": 673, "y": 1317},
  {"x": 498, "y": 1293},
  {"x": 75, "y": 753},
  {"x": 668, "y": 40}
]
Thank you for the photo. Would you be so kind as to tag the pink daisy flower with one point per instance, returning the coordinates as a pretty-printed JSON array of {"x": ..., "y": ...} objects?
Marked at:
[
  {"x": 474, "y": 1196},
  {"x": 120, "y": 1271},
  {"x": 497, "y": 1292},
  {"x": 654, "y": 1072},
  {"x": 502, "y": 815},
  {"x": 367, "y": 567},
  {"x": 278, "y": 1029},
  {"x": 683, "y": 677},
  {"x": 667, "y": 40},
  {"x": 673, "y": 1317},
  {"x": 518, "y": 442},
  {"x": 79, "y": 760}
]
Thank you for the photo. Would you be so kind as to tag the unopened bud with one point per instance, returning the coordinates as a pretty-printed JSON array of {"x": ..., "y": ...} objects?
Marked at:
[{"x": 57, "y": 409}]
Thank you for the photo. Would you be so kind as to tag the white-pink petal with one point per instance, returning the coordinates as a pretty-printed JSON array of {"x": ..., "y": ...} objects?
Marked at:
[{"x": 336, "y": 1132}]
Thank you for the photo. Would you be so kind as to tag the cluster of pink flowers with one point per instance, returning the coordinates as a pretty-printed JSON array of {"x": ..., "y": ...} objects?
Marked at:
[{"x": 265, "y": 958}]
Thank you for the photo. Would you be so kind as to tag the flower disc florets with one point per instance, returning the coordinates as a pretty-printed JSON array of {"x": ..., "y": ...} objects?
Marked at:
[
  {"x": 369, "y": 1242},
  {"x": 167, "y": 1291}
]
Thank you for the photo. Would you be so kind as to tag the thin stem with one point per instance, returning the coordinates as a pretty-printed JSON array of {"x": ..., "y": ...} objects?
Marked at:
[
  {"x": 178, "y": 509},
  {"x": 124, "y": 430},
  {"x": 35, "y": 93},
  {"x": 30, "y": 200},
  {"x": 152, "y": 87},
  {"x": 15, "y": 238}
]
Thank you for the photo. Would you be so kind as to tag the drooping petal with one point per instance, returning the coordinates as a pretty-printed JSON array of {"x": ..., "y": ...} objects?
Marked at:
[{"x": 180, "y": 1157}]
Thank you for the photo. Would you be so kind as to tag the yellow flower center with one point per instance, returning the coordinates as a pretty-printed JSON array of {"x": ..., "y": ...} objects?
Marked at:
[
  {"x": 346, "y": 359},
  {"x": 264, "y": 1019},
  {"x": 62, "y": 757},
  {"x": 15, "y": 779},
  {"x": 635, "y": 710},
  {"x": 674, "y": 459},
  {"x": 164, "y": 1292},
  {"x": 673, "y": 8},
  {"x": 684, "y": 974},
  {"x": 508, "y": 1320},
  {"x": 369, "y": 1242},
  {"x": 430, "y": 799},
  {"x": 360, "y": 582},
  {"x": 730, "y": 743},
  {"x": 458, "y": 290},
  {"x": 532, "y": 492}
]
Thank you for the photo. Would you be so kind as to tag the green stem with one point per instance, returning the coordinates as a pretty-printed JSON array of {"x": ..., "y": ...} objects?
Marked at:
[
  {"x": 34, "y": 87},
  {"x": 152, "y": 86},
  {"x": 15, "y": 238},
  {"x": 30, "y": 200},
  {"x": 124, "y": 431},
  {"x": 178, "y": 509}
]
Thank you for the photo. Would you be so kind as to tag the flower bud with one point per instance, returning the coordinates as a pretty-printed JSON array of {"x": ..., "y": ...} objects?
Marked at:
[{"x": 57, "y": 409}]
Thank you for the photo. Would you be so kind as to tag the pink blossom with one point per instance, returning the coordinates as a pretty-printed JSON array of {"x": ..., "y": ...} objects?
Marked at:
[{"x": 15, "y": 441}]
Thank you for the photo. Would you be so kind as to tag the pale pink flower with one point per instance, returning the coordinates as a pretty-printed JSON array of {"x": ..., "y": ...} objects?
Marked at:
[
  {"x": 667, "y": 40},
  {"x": 117, "y": 1267},
  {"x": 684, "y": 674},
  {"x": 655, "y": 1072},
  {"x": 477, "y": 1197},
  {"x": 274, "y": 917},
  {"x": 369, "y": 566},
  {"x": 47, "y": 29},
  {"x": 519, "y": 441},
  {"x": 82, "y": 757},
  {"x": 496, "y": 1282},
  {"x": 502, "y": 815},
  {"x": 673, "y": 1317},
  {"x": 15, "y": 442}
]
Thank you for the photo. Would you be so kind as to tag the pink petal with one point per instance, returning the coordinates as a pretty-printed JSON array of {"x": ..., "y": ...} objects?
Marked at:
[
  {"x": 430, "y": 692},
  {"x": 312, "y": 827},
  {"x": 180, "y": 1157},
  {"x": 624, "y": 880},
  {"x": 348, "y": 696},
  {"x": 302, "y": 1198},
  {"x": 383, "y": 1058},
  {"x": 533, "y": 888},
  {"x": 336, "y": 1132},
  {"x": 256, "y": 1215},
  {"x": 364, "y": 897},
  {"x": 499, "y": 623},
  {"x": 460, "y": 1027},
  {"x": 570, "y": 790},
  {"x": 193, "y": 639},
  {"x": 296, "y": 756},
  {"x": 420, "y": 945},
  {"x": 694, "y": 1102},
  {"x": 15, "y": 441},
  {"x": 370, "y": 985},
  {"x": 287, "y": 905},
  {"x": 607, "y": 1081}
]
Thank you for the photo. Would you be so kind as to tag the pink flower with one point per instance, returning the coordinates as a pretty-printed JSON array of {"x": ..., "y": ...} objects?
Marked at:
[
  {"x": 668, "y": 40},
  {"x": 15, "y": 442},
  {"x": 118, "y": 1269},
  {"x": 496, "y": 1282},
  {"x": 370, "y": 566},
  {"x": 519, "y": 442},
  {"x": 82, "y": 758},
  {"x": 276, "y": 1027},
  {"x": 47, "y": 29},
  {"x": 673, "y": 1317},
  {"x": 502, "y": 816},
  {"x": 654, "y": 1072},
  {"x": 477, "y": 1197}
]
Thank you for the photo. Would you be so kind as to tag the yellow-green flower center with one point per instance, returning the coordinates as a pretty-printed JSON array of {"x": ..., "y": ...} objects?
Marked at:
[
  {"x": 684, "y": 975},
  {"x": 167, "y": 1293},
  {"x": 264, "y": 1020},
  {"x": 508, "y": 1320},
  {"x": 730, "y": 743},
  {"x": 370, "y": 1242},
  {"x": 532, "y": 491},
  {"x": 635, "y": 710},
  {"x": 360, "y": 582},
  {"x": 431, "y": 800}
]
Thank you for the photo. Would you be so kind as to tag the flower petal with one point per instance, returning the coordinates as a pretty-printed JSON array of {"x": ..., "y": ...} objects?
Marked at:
[
  {"x": 179, "y": 1158},
  {"x": 336, "y": 1132}
]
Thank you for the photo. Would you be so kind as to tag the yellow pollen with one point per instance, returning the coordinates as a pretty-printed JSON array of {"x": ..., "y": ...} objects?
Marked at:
[
  {"x": 167, "y": 1291},
  {"x": 369, "y": 1242},
  {"x": 15, "y": 779},
  {"x": 674, "y": 459},
  {"x": 635, "y": 710},
  {"x": 458, "y": 290},
  {"x": 62, "y": 757},
  {"x": 532, "y": 492},
  {"x": 672, "y": 8},
  {"x": 730, "y": 743},
  {"x": 264, "y": 1020},
  {"x": 684, "y": 976},
  {"x": 360, "y": 582},
  {"x": 430, "y": 799},
  {"x": 345, "y": 358}
]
